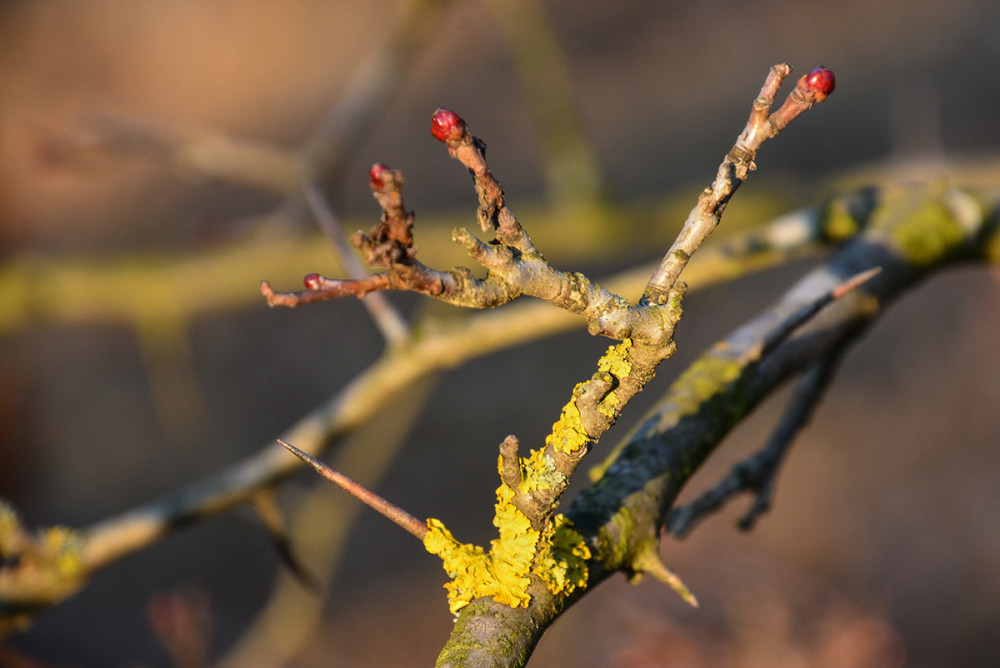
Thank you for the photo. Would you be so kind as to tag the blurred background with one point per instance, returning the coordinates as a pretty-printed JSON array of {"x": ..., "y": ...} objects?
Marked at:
[{"x": 882, "y": 547}]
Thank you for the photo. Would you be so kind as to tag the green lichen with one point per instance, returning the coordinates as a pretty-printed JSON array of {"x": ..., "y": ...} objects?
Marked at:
[
  {"x": 538, "y": 472},
  {"x": 929, "y": 233},
  {"x": 64, "y": 547},
  {"x": 706, "y": 377},
  {"x": 614, "y": 549},
  {"x": 838, "y": 221}
]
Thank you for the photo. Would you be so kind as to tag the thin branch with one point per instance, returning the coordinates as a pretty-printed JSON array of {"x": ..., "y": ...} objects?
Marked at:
[
  {"x": 191, "y": 151},
  {"x": 386, "y": 317},
  {"x": 453, "y": 343},
  {"x": 808, "y": 311},
  {"x": 733, "y": 171},
  {"x": 758, "y": 472},
  {"x": 352, "y": 118},
  {"x": 571, "y": 170},
  {"x": 646, "y": 472},
  {"x": 399, "y": 516}
]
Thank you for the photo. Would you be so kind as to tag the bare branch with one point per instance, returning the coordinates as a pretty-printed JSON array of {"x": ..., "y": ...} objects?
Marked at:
[
  {"x": 733, "y": 171},
  {"x": 624, "y": 510}
]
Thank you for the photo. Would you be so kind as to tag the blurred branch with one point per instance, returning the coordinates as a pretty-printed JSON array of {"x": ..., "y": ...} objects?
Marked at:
[
  {"x": 397, "y": 370},
  {"x": 194, "y": 152},
  {"x": 319, "y": 526},
  {"x": 386, "y": 317},
  {"x": 38, "y": 290},
  {"x": 572, "y": 173},
  {"x": 758, "y": 472},
  {"x": 350, "y": 122}
]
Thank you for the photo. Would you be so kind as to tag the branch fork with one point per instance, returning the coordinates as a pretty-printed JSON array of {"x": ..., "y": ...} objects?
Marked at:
[{"x": 537, "y": 549}]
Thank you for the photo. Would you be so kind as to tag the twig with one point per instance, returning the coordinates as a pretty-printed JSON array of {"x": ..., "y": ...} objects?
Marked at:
[
  {"x": 351, "y": 119},
  {"x": 808, "y": 311},
  {"x": 194, "y": 151},
  {"x": 571, "y": 170},
  {"x": 362, "y": 493},
  {"x": 758, "y": 472},
  {"x": 386, "y": 317},
  {"x": 733, "y": 171}
]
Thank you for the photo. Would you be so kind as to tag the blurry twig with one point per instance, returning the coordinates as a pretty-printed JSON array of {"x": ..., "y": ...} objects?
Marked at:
[
  {"x": 758, "y": 472},
  {"x": 386, "y": 317},
  {"x": 351, "y": 121},
  {"x": 442, "y": 345},
  {"x": 572, "y": 173}
]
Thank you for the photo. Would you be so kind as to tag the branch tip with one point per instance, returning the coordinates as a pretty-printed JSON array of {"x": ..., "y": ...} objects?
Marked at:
[
  {"x": 648, "y": 560},
  {"x": 855, "y": 281}
]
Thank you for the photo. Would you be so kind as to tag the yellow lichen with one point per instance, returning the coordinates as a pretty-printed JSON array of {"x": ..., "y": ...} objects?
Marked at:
[
  {"x": 568, "y": 434},
  {"x": 539, "y": 472},
  {"x": 475, "y": 573},
  {"x": 64, "y": 545},
  {"x": 562, "y": 557},
  {"x": 615, "y": 361},
  {"x": 558, "y": 555},
  {"x": 501, "y": 573},
  {"x": 608, "y": 403}
]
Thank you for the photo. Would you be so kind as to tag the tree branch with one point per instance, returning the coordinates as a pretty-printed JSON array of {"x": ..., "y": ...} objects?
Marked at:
[{"x": 621, "y": 515}]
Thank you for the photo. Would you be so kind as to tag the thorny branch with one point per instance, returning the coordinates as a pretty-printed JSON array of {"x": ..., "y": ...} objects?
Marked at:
[
  {"x": 515, "y": 267},
  {"x": 398, "y": 370},
  {"x": 533, "y": 485},
  {"x": 512, "y": 264}
]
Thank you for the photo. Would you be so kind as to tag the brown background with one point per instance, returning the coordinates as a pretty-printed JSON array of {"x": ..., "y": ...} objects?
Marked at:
[{"x": 884, "y": 537}]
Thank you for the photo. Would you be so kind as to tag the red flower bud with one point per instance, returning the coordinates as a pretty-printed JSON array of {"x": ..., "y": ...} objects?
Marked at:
[
  {"x": 376, "y": 175},
  {"x": 821, "y": 81},
  {"x": 312, "y": 281},
  {"x": 446, "y": 124}
]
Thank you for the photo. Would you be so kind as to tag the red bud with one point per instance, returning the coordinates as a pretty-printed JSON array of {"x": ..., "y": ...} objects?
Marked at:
[
  {"x": 376, "y": 175},
  {"x": 446, "y": 124},
  {"x": 312, "y": 281},
  {"x": 821, "y": 81}
]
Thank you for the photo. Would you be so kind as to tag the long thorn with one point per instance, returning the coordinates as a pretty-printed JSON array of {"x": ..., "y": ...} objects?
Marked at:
[{"x": 362, "y": 493}]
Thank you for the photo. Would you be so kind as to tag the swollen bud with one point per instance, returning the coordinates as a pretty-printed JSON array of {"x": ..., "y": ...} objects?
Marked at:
[
  {"x": 821, "y": 82},
  {"x": 376, "y": 175},
  {"x": 447, "y": 125},
  {"x": 312, "y": 281}
]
